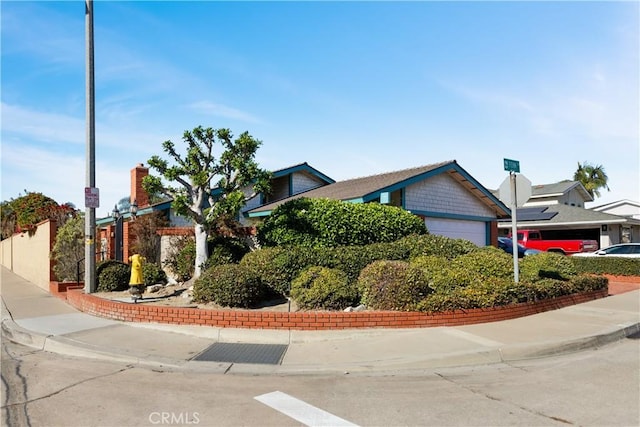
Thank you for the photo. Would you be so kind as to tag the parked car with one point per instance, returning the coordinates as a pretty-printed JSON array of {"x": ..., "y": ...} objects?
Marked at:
[
  {"x": 626, "y": 250},
  {"x": 506, "y": 244},
  {"x": 533, "y": 239}
]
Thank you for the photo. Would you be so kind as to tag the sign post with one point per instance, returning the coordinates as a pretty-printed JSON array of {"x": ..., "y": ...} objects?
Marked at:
[
  {"x": 514, "y": 226},
  {"x": 513, "y": 166}
]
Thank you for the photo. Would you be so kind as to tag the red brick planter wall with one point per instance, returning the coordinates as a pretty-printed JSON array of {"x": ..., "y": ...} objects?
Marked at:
[{"x": 313, "y": 320}]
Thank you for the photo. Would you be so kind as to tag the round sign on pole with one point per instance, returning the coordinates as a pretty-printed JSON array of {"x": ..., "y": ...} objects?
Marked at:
[{"x": 523, "y": 190}]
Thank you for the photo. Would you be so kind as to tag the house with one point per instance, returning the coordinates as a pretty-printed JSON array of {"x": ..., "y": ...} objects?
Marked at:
[
  {"x": 558, "y": 211},
  {"x": 116, "y": 231},
  {"x": 451, "y": 201},
  {"x": 626, "y": 208}
]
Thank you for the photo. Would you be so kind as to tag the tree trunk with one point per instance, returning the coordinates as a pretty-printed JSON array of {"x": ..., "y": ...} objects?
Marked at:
[{"x": 201, "y": 249}]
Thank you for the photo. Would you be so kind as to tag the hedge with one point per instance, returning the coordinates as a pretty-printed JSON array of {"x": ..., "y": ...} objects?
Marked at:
[
  {"x": 331, "y": 223},
  {"x": 603, "y": 265}
]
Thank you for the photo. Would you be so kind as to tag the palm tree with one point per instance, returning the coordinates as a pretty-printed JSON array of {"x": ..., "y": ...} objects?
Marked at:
[{"x": 593, "y": 177}]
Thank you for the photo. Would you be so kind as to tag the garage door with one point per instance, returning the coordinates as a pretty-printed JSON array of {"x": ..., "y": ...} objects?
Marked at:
[{"x": 475, "y": 231}]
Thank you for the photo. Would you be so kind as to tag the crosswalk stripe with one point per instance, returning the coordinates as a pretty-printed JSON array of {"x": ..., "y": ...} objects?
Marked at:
[{"x": 301, "y": 411}]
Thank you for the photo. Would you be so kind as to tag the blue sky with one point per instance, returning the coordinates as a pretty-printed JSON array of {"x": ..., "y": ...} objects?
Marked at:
[{"x": 352, "y": 88}]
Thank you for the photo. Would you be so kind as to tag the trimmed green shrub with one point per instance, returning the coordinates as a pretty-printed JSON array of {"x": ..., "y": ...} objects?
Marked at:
[
  {"x": 324, "y": 289},
  {"x": 589, "y": 282},
  {"x": 432, "y": 265},
  {"x": 547, "y": 265},
  {"x": 392, "y": 285},
  {"x": 153, "y": 274},
  {"x": 228, "y": 285},
  {"x": 604, "y": 265},
  {"x": 277, "y": 267},
  {"x": 488, "y": 292},
  {"x": 488, "y": 261},
  {"x": 113, "y": 276},
  {"x": 330, "y": 223},
  {"x": 431, "y": 244}
]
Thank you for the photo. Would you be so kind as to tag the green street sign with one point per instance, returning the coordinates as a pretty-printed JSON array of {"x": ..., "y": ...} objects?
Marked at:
[{"x": 511, "y": 165}]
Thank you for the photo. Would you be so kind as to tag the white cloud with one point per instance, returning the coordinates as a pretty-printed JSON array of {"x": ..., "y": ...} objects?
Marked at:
[
  {"x": 45, "y": 127},
  {"x": 219, "y": 110}
]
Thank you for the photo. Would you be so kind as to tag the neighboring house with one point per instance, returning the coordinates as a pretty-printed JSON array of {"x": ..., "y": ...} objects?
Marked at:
[
  {"x": 626, "y": 208},
  {"x": 570, "y": 193},
  {"x": 558, "y": 211},
  {"x": 450, "y": 200}
]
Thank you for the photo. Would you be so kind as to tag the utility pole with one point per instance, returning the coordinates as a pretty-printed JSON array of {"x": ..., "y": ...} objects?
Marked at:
[{"x": 90, "y": 211}]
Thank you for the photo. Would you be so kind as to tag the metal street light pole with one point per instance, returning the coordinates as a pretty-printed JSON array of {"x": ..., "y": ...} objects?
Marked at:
[
  {"x": 118, "y": 235},
  {"x": 90, "y": 212}
]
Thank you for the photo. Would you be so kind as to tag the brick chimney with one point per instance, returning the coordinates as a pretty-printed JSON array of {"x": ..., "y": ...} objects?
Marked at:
[{"x": 137, "y": 192}]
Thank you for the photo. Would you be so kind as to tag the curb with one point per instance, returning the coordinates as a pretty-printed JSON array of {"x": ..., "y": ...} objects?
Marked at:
[{"x": 70, "y": 347}]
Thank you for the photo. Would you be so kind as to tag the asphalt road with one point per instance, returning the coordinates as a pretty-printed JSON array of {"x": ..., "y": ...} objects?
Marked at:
[{"x": 591, "y": 388}]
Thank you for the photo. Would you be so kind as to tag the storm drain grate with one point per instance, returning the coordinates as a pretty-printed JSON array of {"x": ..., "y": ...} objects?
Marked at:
[{"x": 269, "y": 354}]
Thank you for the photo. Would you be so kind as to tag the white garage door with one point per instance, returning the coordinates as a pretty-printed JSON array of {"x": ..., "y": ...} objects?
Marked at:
[{"x": 475, "y": 231}]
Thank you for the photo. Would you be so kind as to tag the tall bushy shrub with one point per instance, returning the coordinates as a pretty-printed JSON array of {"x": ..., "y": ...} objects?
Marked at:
[
  {"x": 228, "y": 285},
  {"x": 323, "y": 288},
  {"x": 68, "y": 249},
  {"x": 330, "y": 223},
  {"x": 146, "y": 240},
  {"x": 392, "y": 285}
]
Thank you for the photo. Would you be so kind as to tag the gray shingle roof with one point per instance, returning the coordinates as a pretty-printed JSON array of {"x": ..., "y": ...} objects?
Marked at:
[
  {"x": 570, "y": 216},
  {"x": 364, "y": 188}
]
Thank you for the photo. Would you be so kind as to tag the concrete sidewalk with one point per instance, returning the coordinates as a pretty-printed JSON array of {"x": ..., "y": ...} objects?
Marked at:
[{"x": 33, "y": 317}]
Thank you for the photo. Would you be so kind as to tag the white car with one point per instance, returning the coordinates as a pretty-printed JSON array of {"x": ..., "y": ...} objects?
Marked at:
[{"x": 626, "y": 250}]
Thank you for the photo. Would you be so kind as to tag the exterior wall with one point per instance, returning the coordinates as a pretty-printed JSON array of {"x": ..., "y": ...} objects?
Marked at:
[
  {"x": 29, "y": 256},
  {"x": 572, "y": 198},
  {"x": 304, "y": 182},
  {"x": 450, "y": 208},
  {"x": 279, "y": 189},
  {"x": 442, "y": 194}
]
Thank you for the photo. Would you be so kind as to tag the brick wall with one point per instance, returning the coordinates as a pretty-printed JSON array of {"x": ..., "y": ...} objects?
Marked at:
[{"x": 313, "y": 320}]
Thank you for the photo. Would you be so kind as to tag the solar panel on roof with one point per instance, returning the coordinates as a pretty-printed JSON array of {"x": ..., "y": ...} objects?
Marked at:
[{"x": 534, "y": 214}]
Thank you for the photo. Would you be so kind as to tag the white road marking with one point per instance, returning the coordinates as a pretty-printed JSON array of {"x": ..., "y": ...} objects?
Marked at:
[{"x": 301, "y": 411}]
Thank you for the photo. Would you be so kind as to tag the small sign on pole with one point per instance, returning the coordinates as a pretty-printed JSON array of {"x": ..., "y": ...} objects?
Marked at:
[
  {"x": 511, "y": 165},
  {"x": 91, "y": 197}
]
